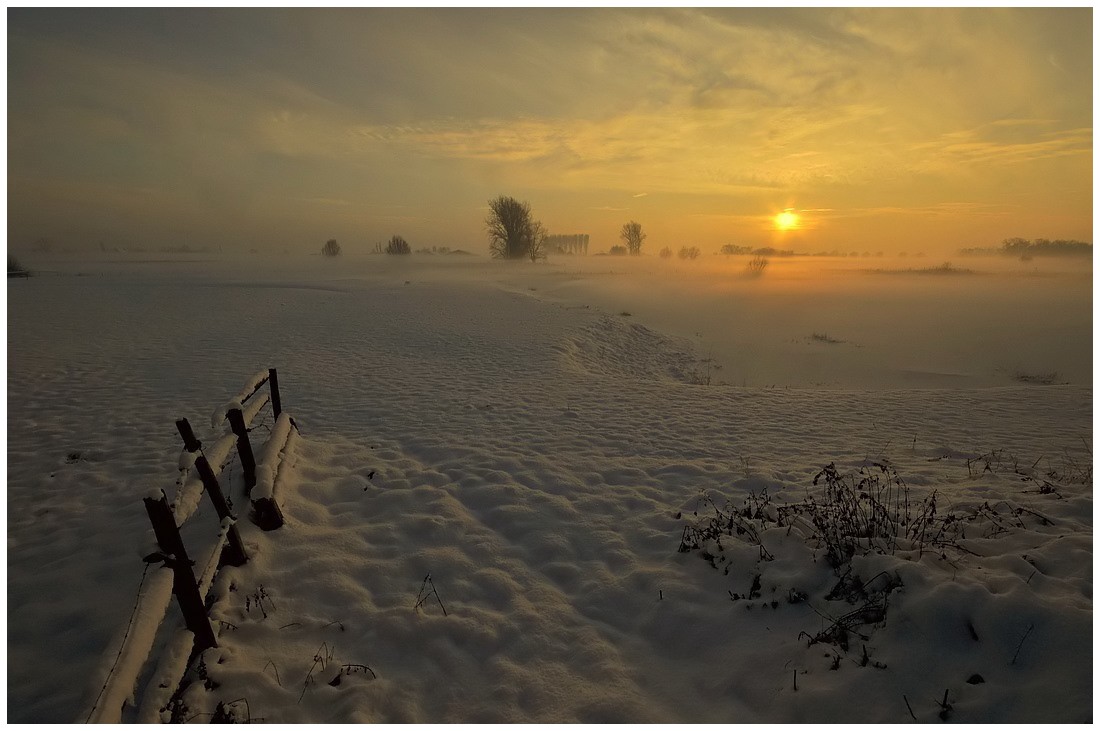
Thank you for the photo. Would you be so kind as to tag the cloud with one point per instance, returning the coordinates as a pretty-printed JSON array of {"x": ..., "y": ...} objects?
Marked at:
[
  {"x": 234, "y": 113},
  {"x": 987, "y": 145}
]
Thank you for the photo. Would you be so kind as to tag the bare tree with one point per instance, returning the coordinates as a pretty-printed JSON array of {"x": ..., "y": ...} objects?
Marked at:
[
  {"x": 398, "y": 245},
  {"x": 633, "y": 237},
  {"x": 513, "y": 234},
  {"x": 331, "y": 248},
  {"x": 536, "y": 241}
]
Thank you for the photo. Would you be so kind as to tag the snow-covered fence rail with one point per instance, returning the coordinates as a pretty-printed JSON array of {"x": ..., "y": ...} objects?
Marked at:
[
  {"x": 176, "y": 575},
  {"x": 239, "y": 413}
]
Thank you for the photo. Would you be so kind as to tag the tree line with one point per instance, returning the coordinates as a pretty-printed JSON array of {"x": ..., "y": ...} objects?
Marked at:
[
  {"x": 1026, "y": 249},
  {"x": 513, "y": 233}
]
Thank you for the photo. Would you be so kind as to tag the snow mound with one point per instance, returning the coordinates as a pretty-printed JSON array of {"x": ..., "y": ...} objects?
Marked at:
[{"x": 614, "y": 347}]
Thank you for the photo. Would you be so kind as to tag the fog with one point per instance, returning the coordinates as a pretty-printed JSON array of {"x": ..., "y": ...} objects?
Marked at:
[{"x": 804, "y": 322}]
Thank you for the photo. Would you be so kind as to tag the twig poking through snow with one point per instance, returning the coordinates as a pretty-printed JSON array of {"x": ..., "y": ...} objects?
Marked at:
[
  {"x": 909, "y": 707},
  {"x": 422, "y": 596},
  {"x": 318, "y": 658},
  {"x": 276, "y": 669},
  {"x": 1020, "y": 646}
]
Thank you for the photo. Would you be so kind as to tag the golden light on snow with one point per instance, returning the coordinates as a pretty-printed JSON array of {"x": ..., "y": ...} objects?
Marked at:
[{"x": 787, "y": 220}]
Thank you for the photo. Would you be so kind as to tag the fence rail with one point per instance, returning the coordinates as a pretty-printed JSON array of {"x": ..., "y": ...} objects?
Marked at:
[{"x": 170, "y": 571}]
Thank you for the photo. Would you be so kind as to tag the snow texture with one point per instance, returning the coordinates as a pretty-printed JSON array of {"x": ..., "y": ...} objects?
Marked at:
[{"x": 483, "y": 516}]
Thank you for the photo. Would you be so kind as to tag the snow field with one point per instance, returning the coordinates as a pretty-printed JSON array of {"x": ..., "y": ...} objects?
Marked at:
[{"x": 531, "y": 456}]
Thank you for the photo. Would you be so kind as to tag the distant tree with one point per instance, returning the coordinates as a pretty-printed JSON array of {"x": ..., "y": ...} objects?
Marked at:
[
  {"x": 536, "y": 241},
  {"x": 632, "y": 237},
  {"x": 689, "y": 252},
  {"x": 730, "y": 249},
  {"x": 618, "y": 251},
  {"x": 398, "y": 245},
  {"x": 666, "y": 253},
  {"x": 513, "y": 234},
  {"x": 331, "y": 248}
]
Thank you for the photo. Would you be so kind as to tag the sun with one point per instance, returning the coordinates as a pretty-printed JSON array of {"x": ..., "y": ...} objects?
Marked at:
[{"x": 786, "y": 220}]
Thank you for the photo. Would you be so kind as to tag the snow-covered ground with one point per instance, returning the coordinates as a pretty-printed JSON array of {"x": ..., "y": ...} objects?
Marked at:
[{"x": 537, "y": 438}]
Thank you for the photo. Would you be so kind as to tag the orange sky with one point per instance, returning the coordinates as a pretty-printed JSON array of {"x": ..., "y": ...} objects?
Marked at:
[{"x": 928, "y": 129}]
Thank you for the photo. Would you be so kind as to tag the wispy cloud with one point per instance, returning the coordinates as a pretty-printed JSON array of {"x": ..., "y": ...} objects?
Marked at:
[{"x": 718, "y": 115}]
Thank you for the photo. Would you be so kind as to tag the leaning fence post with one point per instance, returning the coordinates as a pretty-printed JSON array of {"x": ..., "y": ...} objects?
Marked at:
[
  {"x": 184, "y": 585},
  {"x": 273, "y": 385},
  {"x": 234, "y": 554},
  {"x": 244, "y": 447}
]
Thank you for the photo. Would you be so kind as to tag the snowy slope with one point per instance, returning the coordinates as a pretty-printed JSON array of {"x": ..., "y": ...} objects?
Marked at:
[{"x": 540, "y": 460}]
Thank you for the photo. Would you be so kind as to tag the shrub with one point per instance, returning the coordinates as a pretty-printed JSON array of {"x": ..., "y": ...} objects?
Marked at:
[
  {"x": 398, "y": 245},
  {"x": 618, "y": 251},
  {"x": 689, "y": 252},
  {"x": 757, "y": 265},
  {"x": 331, "y": 248},
  {"x": 666, "y": 253}
]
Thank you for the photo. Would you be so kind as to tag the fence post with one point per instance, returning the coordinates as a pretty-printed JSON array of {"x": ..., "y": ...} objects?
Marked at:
[
  {"x": 190, "y": 443},
  {"x": 184, "y": 585},
  {"x": 234, "y": 553},
  {"x": 244, "y": 448},
  {"x": 273, "y": 385}
]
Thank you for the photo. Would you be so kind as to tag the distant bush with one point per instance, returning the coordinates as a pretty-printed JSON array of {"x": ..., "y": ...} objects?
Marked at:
[
  {"x": 331, "y": 248},
  {"x": 665, "y": 253},
  {"x": 15, "y": 269},
  {"x": 618, "y": 251},
  {"x": 398, "y": 245},
  {"x": 1038, "y": 379},
  {"x": 731, "y": 249},
  {"x": 757, "y": 265},
  {"x": 947, "y": 268},
  {"x": 689, "y": 252}
]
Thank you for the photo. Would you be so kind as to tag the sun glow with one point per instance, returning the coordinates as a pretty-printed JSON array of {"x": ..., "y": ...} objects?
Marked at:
[{"x": 786, "y": 220}]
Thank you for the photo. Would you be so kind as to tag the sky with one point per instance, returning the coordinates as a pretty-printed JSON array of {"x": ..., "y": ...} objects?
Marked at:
[{"x": 277, "y": 129}]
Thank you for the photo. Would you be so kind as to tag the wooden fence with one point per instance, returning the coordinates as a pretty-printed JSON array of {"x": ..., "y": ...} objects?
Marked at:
[{"x": 175, "y": 575}]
